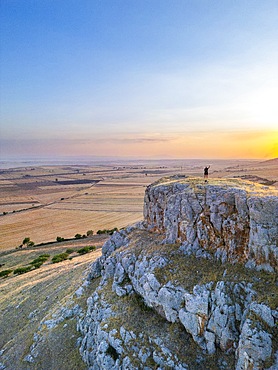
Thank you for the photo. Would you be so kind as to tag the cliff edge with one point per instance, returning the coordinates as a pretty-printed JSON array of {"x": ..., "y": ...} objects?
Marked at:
[
  {"x": 192, "y": 286},
  {"x": 234, "y": 219}
]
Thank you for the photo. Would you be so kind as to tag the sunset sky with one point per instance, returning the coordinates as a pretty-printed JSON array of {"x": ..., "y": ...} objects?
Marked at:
[{"x": 139, "y": 78}]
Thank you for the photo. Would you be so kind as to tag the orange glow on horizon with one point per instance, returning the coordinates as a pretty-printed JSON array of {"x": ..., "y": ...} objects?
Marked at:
[
  {"x": 245, "y": 145},
  {"x": 192, "y": 145}
]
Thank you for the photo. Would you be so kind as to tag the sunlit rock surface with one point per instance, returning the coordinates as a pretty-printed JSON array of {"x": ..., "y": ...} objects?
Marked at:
[
  {"x": 236, "y": 220},
  {"x": 174, "y": 291}
]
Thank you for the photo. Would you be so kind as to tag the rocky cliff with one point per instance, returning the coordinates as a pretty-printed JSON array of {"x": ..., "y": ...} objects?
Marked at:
[
  {"x": 235, "y": 220},
  {"x": 192, "y": 286}
]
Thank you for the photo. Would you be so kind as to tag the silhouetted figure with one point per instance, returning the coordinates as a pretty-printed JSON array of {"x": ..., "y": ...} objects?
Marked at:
[{"x": 206, "y": 173}]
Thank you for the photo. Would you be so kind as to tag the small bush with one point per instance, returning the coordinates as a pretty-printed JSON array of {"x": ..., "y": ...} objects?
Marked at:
[
  {"x": 78, "y": 236},
  {"x": 28, "y": 242},
  {"x": 69, "y": 251},
  {"x": 5, "y": 273},
  {"x": 22, "y": 270},
  {"x": 40, "y": 260},
  {"x": 84, "y": 250},
  {"x": 90, "y": 232},
  {"x": 108, "y": 231},
  {"x": 60, "y": 239},
  {"x": 60, "y": 257},
  {"x": 37, "y": 264}
]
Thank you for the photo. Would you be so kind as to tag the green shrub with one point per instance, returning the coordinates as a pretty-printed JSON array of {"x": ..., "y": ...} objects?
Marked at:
[
  {"x": 22, "y": 270},
  {"x": 78, "y": 236},
  {"x": 108, "y": 231},
  {"x": 60, "y": 239},
  {"x": 37, "y": 264},
  {"x": 90, "y": 232},
  {"x": 84, "y": 250},
  {"x": 5, "y": 273},
  {"x": 59, "y": 257},
  {"x": 40, "y": 260},
  {"x": 69, "y": 251},
  {"x": 28, "y": 242}
]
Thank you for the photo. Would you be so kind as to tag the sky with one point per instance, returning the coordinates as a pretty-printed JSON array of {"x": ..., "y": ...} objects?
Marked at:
[{"x": 139, "y": 78}]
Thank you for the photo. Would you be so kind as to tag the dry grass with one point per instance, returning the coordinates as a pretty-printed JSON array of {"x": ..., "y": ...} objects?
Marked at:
[
  {"x": 249, "y": 186},
  {"x": 42, "y": 208},
  {"x": 27, "y": 299}
]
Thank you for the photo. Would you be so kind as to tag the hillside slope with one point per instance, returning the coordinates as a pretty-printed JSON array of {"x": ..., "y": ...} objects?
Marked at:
[
  {"x": 194, "y": 285},
  {"x": 39, "y": 308},
  {"x": 174, "y": 292}
]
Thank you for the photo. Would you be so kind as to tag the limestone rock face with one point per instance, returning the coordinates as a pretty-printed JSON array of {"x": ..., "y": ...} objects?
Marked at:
[
  {"x": 235, "y": 220},
  {"x": 175, "y": 294}
]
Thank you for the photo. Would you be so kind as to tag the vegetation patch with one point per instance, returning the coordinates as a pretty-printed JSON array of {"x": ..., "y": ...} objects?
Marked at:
[
  {"x": 37, "y": 262},
  {"x": 22, "y": 270},
  {"x": 249, "y": 186},
  {"x": 149, "y": 326},
  {"x": 189, "y": 271},
  {"x": 60, "y": 257},
  {"x": 107, "y": 231},
  {"x": 5, "y": 273},
  {"x": 87, "y": 249}
]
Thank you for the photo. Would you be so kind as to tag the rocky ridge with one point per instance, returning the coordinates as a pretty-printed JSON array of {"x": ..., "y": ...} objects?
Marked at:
[
  {"x": 234, "y": 219},
  {"x": 174, "y": 291}
]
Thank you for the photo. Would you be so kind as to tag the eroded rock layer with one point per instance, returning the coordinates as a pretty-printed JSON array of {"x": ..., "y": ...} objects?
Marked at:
[
  {"x": 168, "y": 296},
  {"x": 236, "y": 220}
]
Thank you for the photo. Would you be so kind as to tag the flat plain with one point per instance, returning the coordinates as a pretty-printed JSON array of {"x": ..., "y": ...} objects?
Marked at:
[
  {"x": 48, "y": 201},
  {"x": 44, "y": 202}
]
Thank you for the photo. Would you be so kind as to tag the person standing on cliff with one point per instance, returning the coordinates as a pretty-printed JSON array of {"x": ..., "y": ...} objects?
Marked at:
[{"x": 206, "y": 173}]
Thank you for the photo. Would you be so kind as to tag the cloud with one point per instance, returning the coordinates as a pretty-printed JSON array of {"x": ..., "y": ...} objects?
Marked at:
[{"x": 140, "y": 139}]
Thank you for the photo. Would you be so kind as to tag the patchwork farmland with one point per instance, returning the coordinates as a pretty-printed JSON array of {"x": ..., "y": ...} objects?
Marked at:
[{"x": 49, "y": 201}]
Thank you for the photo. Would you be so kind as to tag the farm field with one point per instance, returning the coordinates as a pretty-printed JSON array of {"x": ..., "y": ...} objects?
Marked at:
[
  {"x": 48, "y": 201},
  {"x": 37, "y": 296}
]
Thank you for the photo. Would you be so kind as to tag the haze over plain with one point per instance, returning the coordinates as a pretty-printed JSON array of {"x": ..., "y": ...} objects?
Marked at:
[{"x": 152, "y": 79}]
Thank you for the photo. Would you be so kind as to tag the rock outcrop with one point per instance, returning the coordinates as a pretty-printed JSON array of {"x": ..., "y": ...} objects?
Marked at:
[
  {"x": 173, "y": 292},
  {"x": 236, "y": 220}
]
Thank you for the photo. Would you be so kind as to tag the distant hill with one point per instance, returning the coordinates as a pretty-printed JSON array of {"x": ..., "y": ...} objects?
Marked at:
[{"x": 273, "y": 161}]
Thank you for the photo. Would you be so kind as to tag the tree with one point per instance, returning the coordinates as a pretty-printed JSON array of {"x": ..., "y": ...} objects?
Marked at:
[
  {"x": 90, "y": 232},
  {"x": 28, "y": 242}
]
